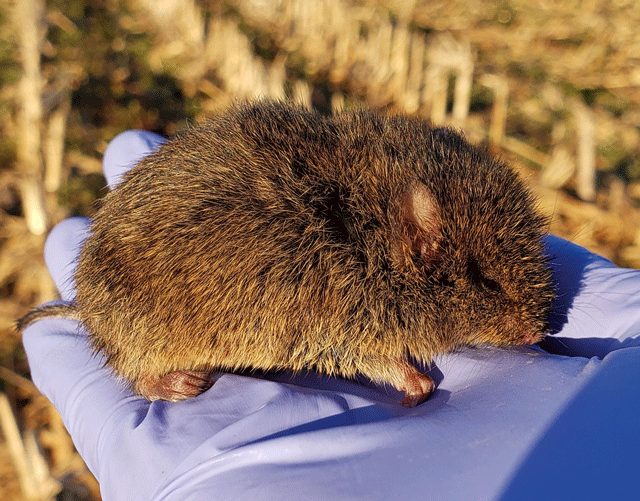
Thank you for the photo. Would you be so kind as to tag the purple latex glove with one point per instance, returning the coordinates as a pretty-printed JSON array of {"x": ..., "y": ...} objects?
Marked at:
[{"x": 503, "y": 424}]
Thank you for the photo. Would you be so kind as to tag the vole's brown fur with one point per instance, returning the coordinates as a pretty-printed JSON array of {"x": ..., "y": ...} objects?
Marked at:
[{"x": 275, "y": 238}]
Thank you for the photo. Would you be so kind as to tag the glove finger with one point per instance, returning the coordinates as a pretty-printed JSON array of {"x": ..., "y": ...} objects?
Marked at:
[
  {"x": 61, "y": 252},
  {"x": 125, "y": 151}
]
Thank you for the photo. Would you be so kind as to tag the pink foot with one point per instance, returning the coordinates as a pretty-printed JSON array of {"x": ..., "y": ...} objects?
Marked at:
[
  {"x": 416, "y": 386},
  {"x": 175, "y": 386}
]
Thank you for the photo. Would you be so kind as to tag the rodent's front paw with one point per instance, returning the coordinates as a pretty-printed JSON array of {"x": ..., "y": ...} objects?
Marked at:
[
  {"x": 417, "y": 389},
  {"x": 403, "y": 376}
]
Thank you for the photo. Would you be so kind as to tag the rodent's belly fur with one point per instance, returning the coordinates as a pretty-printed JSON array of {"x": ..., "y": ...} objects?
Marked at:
[{"x": 279, "y": 329}]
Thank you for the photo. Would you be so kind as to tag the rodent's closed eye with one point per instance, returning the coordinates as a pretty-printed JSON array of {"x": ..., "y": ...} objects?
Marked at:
[{"x": 479, "y": 279}]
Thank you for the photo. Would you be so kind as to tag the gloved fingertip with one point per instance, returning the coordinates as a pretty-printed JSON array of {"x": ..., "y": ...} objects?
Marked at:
[
  {"x": 61, "y": 251},
  {"x": 125, "y": 151}
]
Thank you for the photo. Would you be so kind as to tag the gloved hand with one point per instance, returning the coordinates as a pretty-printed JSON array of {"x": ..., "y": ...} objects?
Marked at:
[{"x": 515, "y": 424}]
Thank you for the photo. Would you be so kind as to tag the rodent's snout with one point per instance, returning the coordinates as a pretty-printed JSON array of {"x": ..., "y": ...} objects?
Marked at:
[
  {"x": 525, "y": 332},
  {"x": 512, "y": 330},
  {"x": 532, "y": 337}
]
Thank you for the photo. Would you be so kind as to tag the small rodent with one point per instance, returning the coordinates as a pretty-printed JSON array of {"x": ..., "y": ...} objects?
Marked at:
[{"x": 275, "y": 238}]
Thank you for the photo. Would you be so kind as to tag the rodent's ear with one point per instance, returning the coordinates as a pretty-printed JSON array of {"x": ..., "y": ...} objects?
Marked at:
[{"x": 417, "y": 241}]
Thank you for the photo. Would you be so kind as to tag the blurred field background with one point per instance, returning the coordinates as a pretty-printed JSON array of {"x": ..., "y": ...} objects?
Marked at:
[{"x": 553, "y": 86}]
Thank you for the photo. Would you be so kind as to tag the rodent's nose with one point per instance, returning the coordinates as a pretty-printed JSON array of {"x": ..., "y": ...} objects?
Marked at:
[
  {"x": 522, "y": 331},
  {"x": 532, "y": 337}
]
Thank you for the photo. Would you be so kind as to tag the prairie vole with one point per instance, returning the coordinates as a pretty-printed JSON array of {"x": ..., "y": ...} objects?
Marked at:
[{"x": 272, "y": 237}]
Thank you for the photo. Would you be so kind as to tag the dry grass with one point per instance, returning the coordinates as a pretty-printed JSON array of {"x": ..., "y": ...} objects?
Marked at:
[{"x": 552, "y": 85}]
